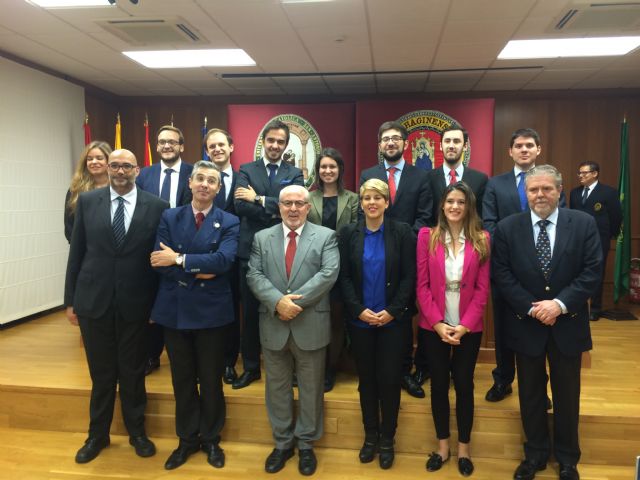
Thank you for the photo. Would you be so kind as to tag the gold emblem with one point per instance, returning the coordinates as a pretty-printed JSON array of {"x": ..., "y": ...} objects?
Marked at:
[{"x": 597, "y": 207}]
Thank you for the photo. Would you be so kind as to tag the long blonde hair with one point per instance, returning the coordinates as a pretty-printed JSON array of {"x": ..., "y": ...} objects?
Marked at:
[{"x": 82, "y": 180}]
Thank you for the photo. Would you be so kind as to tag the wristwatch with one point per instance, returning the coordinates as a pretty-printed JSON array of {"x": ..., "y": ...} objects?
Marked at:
[
  {"x": 258, "y": 199},
  {"x": 179, "y": 260}
]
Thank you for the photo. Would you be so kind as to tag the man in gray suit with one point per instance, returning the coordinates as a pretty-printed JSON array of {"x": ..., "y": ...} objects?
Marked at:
[{"x": 292, "y": 267}]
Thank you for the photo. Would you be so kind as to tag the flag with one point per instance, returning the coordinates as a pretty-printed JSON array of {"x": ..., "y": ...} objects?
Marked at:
[
  {"x": 204, "y": 134},
  {"x": 117, "y": 144},
  {"x": 623, "y": 243},
  {"x": 87, "y": 130},
  {"x": 148, "y": 159}
]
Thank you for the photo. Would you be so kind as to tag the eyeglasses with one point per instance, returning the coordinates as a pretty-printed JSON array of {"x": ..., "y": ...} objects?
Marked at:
[
  {"x": 394, "y": 139},
  {"x": 291, "y": 203},
  {"x": 126, "y": 167},
  {"x": 581, "y": 174},
  {"x": 171, "y": 143}
]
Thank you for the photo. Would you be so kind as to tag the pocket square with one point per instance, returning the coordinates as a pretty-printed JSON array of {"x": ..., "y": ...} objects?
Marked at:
[{"x": 285, "y": 181}]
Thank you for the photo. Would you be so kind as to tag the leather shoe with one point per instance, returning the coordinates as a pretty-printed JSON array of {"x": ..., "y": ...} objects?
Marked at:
[
  {"x": 307, "y": 462},
  {"x": 435, "y": 461},
  {"x": 180, "y": 455},
  {"x": 569, "y": 472},
  {"x": 151, "y": 365},
  {"x": 594, "y": 316},
  {"x": 277, "y": 459},
  {"x": 527, "y": 470},
  {"x": 497, "y": 392},
  {"x": 91, "y": 449},
  {"x": 244, "y": 380},
  {"x": 410, "y": 385},
  {"x": 465, "y": 466},
  {"x": 420, "y": 376},
  {"x": 386, "y": 454},
  {"x": 329, "y": 380},
  {"x": 368, "y": 451},
  {"x": 144, "y": 447},
  {"x": 230, "y": 375},
  {"x": 215, "y": 455}
]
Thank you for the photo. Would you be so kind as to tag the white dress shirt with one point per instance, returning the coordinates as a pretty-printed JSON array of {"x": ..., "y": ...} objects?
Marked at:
[{"x": 175, "y": 177}]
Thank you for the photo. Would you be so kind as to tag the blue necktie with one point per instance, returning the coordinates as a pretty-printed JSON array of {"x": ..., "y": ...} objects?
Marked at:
[
  {"x": 118, "y": 223},
  {"x": 221, "y": 197},
  {"x": 521, "y": 192},
  {"x": 543, "y": 248},
  {"x": 165, "y": 192},
  {"x": 272, "y": 171}
]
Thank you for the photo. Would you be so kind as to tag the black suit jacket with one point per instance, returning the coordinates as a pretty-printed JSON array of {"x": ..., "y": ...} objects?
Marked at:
[
  {"x": 476, "y": 180},
  {"x": 98, "y": 272},
  {"x": 414, "y": 200},
  {"x": 229, "y": 204},
  {"x": 603, "y": 204},
  {"x": 149, "y": 181},
  {"x": 254, "y": 217},
  {"x": 575, "y": 273}
]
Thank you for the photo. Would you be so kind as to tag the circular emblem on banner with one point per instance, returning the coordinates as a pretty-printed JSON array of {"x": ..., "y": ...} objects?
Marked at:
[
  {"x": 425, "y": 128},
  {"x": 303, "y": 147}
]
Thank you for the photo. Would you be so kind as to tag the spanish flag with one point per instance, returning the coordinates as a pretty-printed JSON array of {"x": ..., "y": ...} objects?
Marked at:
[
  {"x": 117, "y": 144},
  {"x": 87, "y": 130},
  {"x": 148, "y": 159}
]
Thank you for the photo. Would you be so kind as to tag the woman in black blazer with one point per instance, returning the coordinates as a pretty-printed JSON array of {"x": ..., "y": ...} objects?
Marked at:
[{"x": 377, "y": 277}]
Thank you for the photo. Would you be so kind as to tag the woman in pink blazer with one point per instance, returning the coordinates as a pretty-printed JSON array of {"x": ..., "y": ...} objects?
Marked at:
[{"x": 452, "y": 290}]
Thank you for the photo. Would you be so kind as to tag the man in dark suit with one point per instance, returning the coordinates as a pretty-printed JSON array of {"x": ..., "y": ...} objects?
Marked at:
[
  {"x": 411, "y": 201},
  {"x": 169, "y": 180},
  {"x": 546, "y": 263},
  {"x": 109, "y": 291},
  {"x": 602, "y": 202},
  {"x": 256, "y": 201},
  {"x": 505, "y": 195},
  {"x": 219, "y": 146}
]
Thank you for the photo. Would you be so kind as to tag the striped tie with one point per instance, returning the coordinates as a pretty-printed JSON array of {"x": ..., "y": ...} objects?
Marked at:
[{"x": 118, "y": 223}]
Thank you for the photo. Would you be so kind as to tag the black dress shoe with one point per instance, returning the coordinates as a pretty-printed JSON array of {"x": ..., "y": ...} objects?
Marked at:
[
  {"x": 151, "y": 365},
  {"x": 420, "y": 376},
  {"x": 144, "y": 447},
  {"x": 368, "y": 451},
  {"x": 410, "y": 385},
  {"x": 244, "y": 380},
  {"x": 435, "y": 461},
  {"x": 180, "y": 455},
  {"x": 277, "y": 459},
  {"x": 465, "y": 466},
  {"x": 497, "y": 392},
  {"x": 594, "y": 316},
  {"x": 307, "y": 462},
  {"x": 568, "y": 472},
  {"x": 215, "y": 455},
  {"x": 527, "y": 470},
  {"x": 386, "y": 453},
  {"x": 91, "y": 449},
  {"x": 329, "y": 380},
  {"x": 230, "y": 375}
]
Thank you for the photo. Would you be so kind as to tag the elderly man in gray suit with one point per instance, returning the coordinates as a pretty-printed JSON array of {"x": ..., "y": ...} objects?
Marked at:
[{"x": 292, "y": 267}]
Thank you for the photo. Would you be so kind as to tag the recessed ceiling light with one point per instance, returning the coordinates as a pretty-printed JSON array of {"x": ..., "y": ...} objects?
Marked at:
[
  {"x": 70, "y": 3},
  {"x": 230, "y": 57},
  {"x": 569, "y": 47}
]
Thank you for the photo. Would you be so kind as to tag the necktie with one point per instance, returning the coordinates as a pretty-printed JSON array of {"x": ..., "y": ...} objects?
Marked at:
[
  {"x": 453, "y": 179},
  {"x": 291, "y": 252},
  {"x": 165, "y": 191},
  {"x": 118, "y": 223},
  {"x": 521, "y": 192},
  {"x": 392, "y": 183},
  {"x": 585, "y": 195},
  {"x": 272, "y": 171},
  {"x": 199, "y": 220},
  {"x": 543, "y": 248},
  {"x": 221, "y": 197}
]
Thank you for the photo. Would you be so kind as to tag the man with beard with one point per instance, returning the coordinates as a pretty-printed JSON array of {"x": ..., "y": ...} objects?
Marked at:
[
  {"x": 411, "y": 201},
  {"x": 256, "y": 201}
]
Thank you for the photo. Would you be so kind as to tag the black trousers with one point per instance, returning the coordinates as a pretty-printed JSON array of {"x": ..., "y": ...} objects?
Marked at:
[
  {"x": 565, "y": 387},
  {"x": 505, "y": 370},
  {"x": 460, "y": 360},
  {"x": 116, "y": 353},
  {"x": 378, "y": 353},
  {"x": 250, "y": 343},
  {"x": 198, "y": 355},
  {"x": 596, "y": 298},
  {"x": 232, "y": 347},
  {"x": 155, "y": 340}
]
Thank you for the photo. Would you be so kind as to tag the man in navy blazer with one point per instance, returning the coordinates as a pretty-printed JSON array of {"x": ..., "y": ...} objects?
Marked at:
[
  {"x": 546, "y": 263},
  {"x": 256, "y": 201},
  {"x": 602, "y": 202}
]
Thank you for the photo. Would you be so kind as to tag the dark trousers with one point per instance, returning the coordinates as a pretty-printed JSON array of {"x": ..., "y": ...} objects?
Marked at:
[
  {"x": 596, "y": 298},
  {"x": 459, "y": 360},
  {"x": 155, "y": 340},
  {"x": 198, "y": 355},
  {"x": 232, "y": 348},
  {"x": 336, "y": 342},
  {"x": 505, "y": 370},
  {"x": 407, "y": 349},
  {"x": 378, "y": 353},
  {"x": 565, "y": 387},
  {"x": 250, "y": 343},
  {"x": 421, "y": 359},
  {"x": 116, "y": 354}
]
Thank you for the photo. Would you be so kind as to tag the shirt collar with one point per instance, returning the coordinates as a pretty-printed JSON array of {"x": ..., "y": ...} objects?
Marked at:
[
  {"x": 592, "y": 186},
  {"x": 399, "y": 165},
  {"x": 175, "y": 167},
  {"x": 371, "y": 232},
  {"x": 228, "y": 170},
  {"x": 206, "y": 212},
  {"x": 517, "y": 170},
  {"x": 447, "y": 237},
  {"x": 553, "y": 218},
  {"x": 128, "y": 197},
  {"x": 267, "y": 162},
  {"x": 458, "y": 169},
  {"x": 298, "y": 230}
]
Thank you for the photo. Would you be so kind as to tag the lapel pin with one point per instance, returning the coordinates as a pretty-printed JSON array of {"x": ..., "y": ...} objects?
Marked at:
[{"x": 216, "y": 225}]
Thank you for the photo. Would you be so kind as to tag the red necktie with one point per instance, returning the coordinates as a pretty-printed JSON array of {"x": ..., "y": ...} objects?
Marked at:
[
  {"x": 452, "y": 174},
  {"x": 392, "y": 183},
  {"x": 199, "y": 220},
  {"x": 291, "y": 252}
]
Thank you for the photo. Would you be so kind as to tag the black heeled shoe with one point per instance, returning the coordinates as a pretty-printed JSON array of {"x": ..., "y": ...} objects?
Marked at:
[
  {"x": 368, "y": 451},
  {"x": 386, "y": 454},
  {"x": 435, "y": 461},
  {"x": 465, "y": 466}
]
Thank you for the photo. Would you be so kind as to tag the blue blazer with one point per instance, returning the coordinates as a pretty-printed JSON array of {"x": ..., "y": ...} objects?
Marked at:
[
  {"x": 149, "y": 181},
  {"x": 184, "y": 301}
]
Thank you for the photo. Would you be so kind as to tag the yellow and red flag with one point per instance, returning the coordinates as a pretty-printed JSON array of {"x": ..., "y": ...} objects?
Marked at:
[
  {"x": 148, "y": 159},
  {"x": 117, "y": 144}
]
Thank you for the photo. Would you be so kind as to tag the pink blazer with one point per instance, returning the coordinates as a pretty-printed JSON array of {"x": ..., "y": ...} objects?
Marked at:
[{"x": 430, "y": 285}]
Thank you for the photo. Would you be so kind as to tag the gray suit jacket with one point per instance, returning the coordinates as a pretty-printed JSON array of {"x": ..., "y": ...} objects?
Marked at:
[
  {"x": 348, "y": 202},
  {"x": 314, "y": 271}
]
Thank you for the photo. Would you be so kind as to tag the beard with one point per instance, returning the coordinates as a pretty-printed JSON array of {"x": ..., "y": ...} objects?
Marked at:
[
  {"x": 452, "y": 161},
  {"x": 393, "y": 158}
]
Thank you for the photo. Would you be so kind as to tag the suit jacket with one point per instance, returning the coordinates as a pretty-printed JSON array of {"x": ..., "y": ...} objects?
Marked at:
[
  {"x": 603, "y": 204},
  {"x": 400, "y": 265},
  {"x": 576, "y": 264},
  {"x": 184, "y": 301},
  {"x": 501, "y": 199},
  {"x": 68, "y": 218},
  {"x": 98, "y": 272},
  {"x": 149, "y": 181},
  {"x": 348, "y": 202},
  {"x": 229, "y": 204},
  {"x": 431, "y": 283},
  {"x": 313, "y": 273},
  {"x": 476, "y": 180},
  {"x": 254, "y": 217},
  {"x": 414, "y": 200}
]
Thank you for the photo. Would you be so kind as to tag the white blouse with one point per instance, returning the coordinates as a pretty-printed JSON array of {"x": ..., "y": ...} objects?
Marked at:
[{"x": 453, "y": 272}]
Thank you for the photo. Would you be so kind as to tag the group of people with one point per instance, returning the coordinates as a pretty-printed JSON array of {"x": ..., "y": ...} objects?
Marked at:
[{"x": 169, "y": 253}]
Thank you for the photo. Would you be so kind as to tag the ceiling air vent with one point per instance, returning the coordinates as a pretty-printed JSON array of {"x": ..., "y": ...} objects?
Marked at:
[
  {"x": 154, "y": 32},
  {"x": 589, "y": 18}
]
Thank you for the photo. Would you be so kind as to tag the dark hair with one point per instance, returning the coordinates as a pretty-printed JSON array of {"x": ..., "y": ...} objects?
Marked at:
[
  {"x": 392, "y": 126},
  {"x": 526, "y": 133},
  {"x": 593, "y": 166},
  {"x": 335, "y": 155},
  {"x": 171, "y": 128},
  {"x": 213, "y": 131},
  {"x": 454, "y": 127},
  {"x": 275, "y": 125}
]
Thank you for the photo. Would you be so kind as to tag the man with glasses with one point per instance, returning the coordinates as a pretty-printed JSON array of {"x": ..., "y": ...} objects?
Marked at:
[
  {"x": 602, "y": 202},
  {"x": 411, "y": 201},
  {"x": 292, "y": 267},
  {"x": 110, "y": 288},
  {"x": 169, "y": 180}
]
